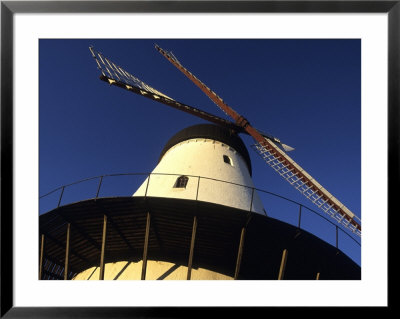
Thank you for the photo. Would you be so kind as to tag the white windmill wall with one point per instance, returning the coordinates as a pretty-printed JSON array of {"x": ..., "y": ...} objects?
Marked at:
[{"x": 204, "y": 157}]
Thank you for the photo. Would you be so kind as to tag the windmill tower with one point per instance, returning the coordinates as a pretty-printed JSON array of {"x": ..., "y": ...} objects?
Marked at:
[
  {"x": 209, "y": 151},
  {"x": 197, "y": 215}
]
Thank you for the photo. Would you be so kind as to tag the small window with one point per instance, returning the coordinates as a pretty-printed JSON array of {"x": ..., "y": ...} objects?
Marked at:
[
  {"x": 227, "y": 160},
  {"x": 181, "y": 182}
]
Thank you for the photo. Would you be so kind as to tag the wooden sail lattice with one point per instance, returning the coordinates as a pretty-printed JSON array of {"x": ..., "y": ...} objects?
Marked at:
[
  {"x": 117, "y": 76},
  {"x": 309, "y": 187}
]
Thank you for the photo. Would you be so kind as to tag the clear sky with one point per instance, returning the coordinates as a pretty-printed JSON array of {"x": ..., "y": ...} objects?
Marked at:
[{"x": 305, "y": 92}]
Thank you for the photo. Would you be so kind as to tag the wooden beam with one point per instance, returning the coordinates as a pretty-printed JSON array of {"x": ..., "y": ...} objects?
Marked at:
[
  {"x": 114, "y": 225},
  {"x": 66, "y": 267},
  {"x": 103, "y": 248},
  {"x": 154, "y": 229},
  {"x": 240, "y": 252},
  {"x": 78, "y": 229},
  {"x": 146, "y": 244},
  {"x": 42, "y": 238},
  {"x": 283, "y": 264},
  {"x": 189, "y": 272}
]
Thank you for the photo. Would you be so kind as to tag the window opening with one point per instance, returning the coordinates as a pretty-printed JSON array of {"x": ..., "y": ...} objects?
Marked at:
[
  {"x": 227, "y": 160},
  {"x": 181, "y": 182}
]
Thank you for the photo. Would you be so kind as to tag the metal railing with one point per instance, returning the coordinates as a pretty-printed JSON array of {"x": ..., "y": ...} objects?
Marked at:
[{"x": 296, "y": 220}]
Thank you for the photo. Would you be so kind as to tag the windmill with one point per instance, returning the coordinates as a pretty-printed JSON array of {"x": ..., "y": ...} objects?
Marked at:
[
  {"x": 198, "y": 214},
  {"x": 270, "y": 148}
]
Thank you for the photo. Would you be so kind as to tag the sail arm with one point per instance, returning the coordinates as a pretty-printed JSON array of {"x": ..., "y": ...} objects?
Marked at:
[
  {"x": 307, "y": 185},
  {"x": 117, "y": 76}
]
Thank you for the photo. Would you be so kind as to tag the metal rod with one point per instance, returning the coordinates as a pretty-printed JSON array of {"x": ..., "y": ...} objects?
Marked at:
[
  {"x": 67, "y": 252},
  {"x": 98, "y": 188},
  {"x": 283, "y": 264},
  {"x": 103, "y": 248},
  {"x": 337, "y": 237},
  {"x": 147, "y": 186},
  {"x": 189, "y": 272},
  {"x": 41, "y": 256},
  {"x": 146, "y": 244},
  {"x": 62, "y": 192},
  {"x": 298, "y": 225},
  {"x": 252, "y": 196},
  {"x": 240, "y": 252},
  {"x": 198, "y": 185}
]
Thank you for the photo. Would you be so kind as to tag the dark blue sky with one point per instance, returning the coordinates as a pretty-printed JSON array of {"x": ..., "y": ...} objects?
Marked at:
[{"x": 305, "y": 92}]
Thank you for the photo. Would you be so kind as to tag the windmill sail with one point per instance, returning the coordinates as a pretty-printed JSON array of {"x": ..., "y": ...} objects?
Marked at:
[
  {"x": 117, "y": 76},
  {"x": 309, "y": 187},
  {"x": 114, "y": 73},
  {"x": 280, "y": 161}
]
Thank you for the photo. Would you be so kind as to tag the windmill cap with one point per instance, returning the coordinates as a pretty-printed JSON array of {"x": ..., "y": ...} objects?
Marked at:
[{"x": 213, "y": 132}]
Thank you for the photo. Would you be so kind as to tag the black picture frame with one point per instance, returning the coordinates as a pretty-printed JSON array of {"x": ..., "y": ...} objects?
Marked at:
[{"x": 9, "y": 8}]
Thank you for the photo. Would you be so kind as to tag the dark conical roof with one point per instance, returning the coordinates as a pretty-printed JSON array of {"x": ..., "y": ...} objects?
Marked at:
[{"x": 213, "y": 132}]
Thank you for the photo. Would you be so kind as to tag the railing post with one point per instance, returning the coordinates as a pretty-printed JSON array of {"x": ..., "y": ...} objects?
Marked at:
[
  {"x": 197, "y": 191},
  {"x": 61, "y": 195},
  {"x": 298, "y": 224},
  {"x": 145, "y": 248},
  {"x": 66, "y": 266},
  {"x": 283, "y": 264},
  {"x": 147, "y": 186},
  {"x": 41, "y": 256},
  {"x": 337, "y": 237},
  {"x": 98, "y": 188},
  {"x": 251, "y": 202},
  {"x": 103, "y": 248},
  {"x": 240, "y": 252},
  {"x": 189, "y": 272}
]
